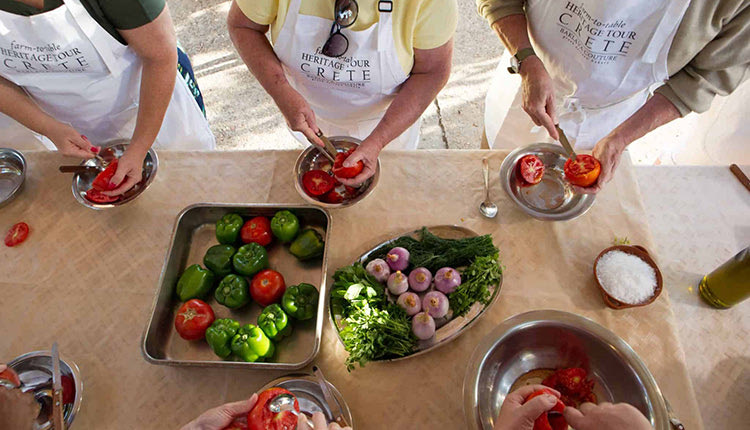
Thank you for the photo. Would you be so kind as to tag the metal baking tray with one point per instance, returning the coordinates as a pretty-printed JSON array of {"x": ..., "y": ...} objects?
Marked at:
[{"x": 193, "y": 234}]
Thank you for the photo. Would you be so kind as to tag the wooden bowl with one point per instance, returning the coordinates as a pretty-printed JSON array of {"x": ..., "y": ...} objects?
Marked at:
[{"x": 641, "y": 253}]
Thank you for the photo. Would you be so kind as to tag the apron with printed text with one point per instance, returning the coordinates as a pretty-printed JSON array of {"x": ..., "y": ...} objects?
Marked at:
[
  {"x": 351, "y": 93},
  {"x": 79, "y": 74}
]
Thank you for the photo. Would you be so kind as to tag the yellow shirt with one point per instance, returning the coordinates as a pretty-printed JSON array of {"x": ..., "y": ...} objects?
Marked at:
[{"x": 417, "y": 24}]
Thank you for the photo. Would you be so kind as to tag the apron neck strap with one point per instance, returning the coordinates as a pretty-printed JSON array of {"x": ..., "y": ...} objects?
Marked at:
[{"x": 93, "y": 32}]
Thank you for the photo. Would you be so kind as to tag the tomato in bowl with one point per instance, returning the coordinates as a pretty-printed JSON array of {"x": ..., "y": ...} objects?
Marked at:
[{"x": 583, "y": 171}]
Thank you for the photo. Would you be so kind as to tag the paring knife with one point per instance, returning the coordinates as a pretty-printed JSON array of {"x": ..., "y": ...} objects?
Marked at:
[
  {"x": 333, "y": 405},
  {"x": 565, "y": 143},
  {"x": 80, "y": 169},
  {"x": 329, "y": 149},
  {"x": 57, "y": 405}
]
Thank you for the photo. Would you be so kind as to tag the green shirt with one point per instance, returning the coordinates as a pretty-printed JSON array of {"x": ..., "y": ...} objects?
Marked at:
[{"x": 112, "y": 15}]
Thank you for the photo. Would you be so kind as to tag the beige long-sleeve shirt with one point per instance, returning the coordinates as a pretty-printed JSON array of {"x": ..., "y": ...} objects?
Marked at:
[{"x": 710, "y": 53}]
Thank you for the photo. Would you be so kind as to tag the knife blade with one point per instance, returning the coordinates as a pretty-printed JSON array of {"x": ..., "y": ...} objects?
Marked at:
[
  {"x": 565, "y": 143},
  {"x": 333, "y": 405},
  {"x": 329, "y": 148},
  {"x": 57, "y": 405},
  {"x": 80, "y": 169}
]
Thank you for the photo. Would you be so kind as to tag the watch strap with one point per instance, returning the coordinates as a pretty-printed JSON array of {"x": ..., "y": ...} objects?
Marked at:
[{"x": 524, "y": 53}]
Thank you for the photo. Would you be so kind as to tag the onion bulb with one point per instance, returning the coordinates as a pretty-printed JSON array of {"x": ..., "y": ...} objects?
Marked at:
[
  {"x": 423, "y": 326},
  {"x": 379, "y": 269},
  {"x": 435, "y": 303},
  {"x": 419, "y": 279},
  {"x": 447, "y": 279},
  {"x": 398, "y": 283},
  {"x": 410, "y": 303},
  {"x": 398, "y": 258}
]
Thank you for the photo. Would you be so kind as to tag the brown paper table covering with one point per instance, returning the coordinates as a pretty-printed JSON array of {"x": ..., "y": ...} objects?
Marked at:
[{"x": 87, "y": 280}]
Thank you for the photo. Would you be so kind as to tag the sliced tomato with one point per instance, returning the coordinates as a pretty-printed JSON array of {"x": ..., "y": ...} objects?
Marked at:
[
  {"x": 257, "y": 230},
  {"x": 193, "y": 318},
  {"x": 346, "y": 172},
  {"x": 340, "y": 193},
  {"x": 584, "y": 171},
  {"x": 547, "y": 421},
  {"x": 17, "y": 234},
  {"x": 11, "y": 376},
  {"x": 531, "y": 169},
  {"x": 260, "y": 416},
  {"x": 96, "y": 196},
  {"x": 318, "y": 182},
  {"x": 102, "y": 180}
]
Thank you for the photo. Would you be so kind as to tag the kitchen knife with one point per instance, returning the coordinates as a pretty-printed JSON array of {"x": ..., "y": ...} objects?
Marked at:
[
  {"x": 80, "y": 169},
  {"x": 57, "y": 405},
  {"x": 333, "y": 405},
  {"x": 565, "y": 143},
  {"x": 329, "y": 148}
]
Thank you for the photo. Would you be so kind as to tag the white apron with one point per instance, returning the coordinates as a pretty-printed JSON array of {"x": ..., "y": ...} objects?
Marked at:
[
  {"x": 605, "y": 59},
  {"x": 81, "y": 75},
  {"x": 351, "y": 93}
]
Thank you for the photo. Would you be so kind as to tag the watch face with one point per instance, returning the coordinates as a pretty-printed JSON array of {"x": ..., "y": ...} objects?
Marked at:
[{"x": 514, "y": 63}]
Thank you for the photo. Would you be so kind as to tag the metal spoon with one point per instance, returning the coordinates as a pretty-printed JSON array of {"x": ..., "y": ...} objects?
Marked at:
[
  {"x": 281, "y": 403},
  {"x": 487, "y": 208}
]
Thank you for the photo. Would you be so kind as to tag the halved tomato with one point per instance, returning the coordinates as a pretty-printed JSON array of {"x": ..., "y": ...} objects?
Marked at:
[
  {"x": 340, "y": 193},
  {"x": 261, "y": 417},
  {"x": 584, "y": 171},
  {"x": 531, "y": 169},
  {"x": 11, "y": 376},
  {"x": 346, "y": 172},
  {"x": 102, "y": 180},
  {"x": 318, "y": 182},
  {"x": 17, "y": 234},
  {"x": 96, "y": 196}
]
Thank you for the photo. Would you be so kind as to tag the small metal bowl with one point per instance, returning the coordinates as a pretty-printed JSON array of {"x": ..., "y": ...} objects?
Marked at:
[
  {"x": 82, "y": 181},
  {"x": 34, "y": 368},
  {"x": 641, "y": 253},
  {"x": 552, "y": 199},
  {"x": 550, "y": 339},
  {"x": 12, "y": 174},
  {"x": 312, "y": 159},
  {"x": 310, "y": 397}
]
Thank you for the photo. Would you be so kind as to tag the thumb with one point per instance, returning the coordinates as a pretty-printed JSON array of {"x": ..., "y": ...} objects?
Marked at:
[
  {"x": 535, "y": 407},
  {"x": 574, "y": 418},
  {"x": 243, "y": 406}
]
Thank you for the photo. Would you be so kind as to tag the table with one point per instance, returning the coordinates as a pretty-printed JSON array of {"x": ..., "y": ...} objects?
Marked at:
[{"x": 90, "y": 278}]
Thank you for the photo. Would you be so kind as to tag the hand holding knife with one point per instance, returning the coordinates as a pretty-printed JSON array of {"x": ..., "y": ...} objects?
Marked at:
[{"x": 333, "y": 405}]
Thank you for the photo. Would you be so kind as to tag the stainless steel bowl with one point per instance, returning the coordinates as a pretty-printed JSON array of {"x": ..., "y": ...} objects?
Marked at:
[
  {"x": 35, "y": 368},
  {"x": 12, "y": 174},
  {"x": 550, "y": 339},
  {"x": 552, "y": 199},
  {"x": 82, "y": 181},
  {"x": 310, "y": 397},
  {"x": 311, "y": 159}
]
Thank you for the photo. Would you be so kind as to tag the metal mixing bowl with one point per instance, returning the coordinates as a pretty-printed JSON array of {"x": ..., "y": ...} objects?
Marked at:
[
  {"x": 82, "y": 181},
  {"x": 310, "y": 397},
  {"x": 550, "y": 339},
  {"x": 35, "y": 368},
  {"x": 312, "y": 159},
  {"x": 552, "y": 199},
  {"x": 12, "y": 174}
]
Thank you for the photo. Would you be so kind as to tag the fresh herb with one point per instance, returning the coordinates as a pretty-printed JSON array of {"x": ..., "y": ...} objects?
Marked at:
[
  {"x": 483, "y": 273},
  {"x": 352, "y": 285},
  {"x": 373, "y": 334},
  {"x": 434, "y": 252}
]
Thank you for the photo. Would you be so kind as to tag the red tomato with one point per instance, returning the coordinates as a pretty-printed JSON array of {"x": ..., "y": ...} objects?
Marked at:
[
  {"x": 318, "y": 182},
  {"x": 547, "y": 421},
  {"x": 260, "y": 416},
  {"x": 193, "y": 318},
  {"x": 340, "y": 193},
  {"x": 584, "y": 171},
  {"x": 102, "y": 180},
  {"x": 96, "y": 196},
  {"x": 257, "y": 230},
  {"x": 68, "y": 389},
  {"x": 346, "y": 172},
  {"x": 531, "y": 169},
  {"x": 573, "y": 384},
  {"x": 17, "y": 234},
  {"x": 267, "y": 287},
  {"x": 238, "y": 424},
  {"x": 11, "y": 376}
]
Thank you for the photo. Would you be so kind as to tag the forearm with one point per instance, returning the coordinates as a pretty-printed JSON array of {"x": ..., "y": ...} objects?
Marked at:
[
  {"x": 15, "y": 103},
  {"x": 657, "y": 111},
  {"x": 513, "y": 32},
  {"x": 157, "y": 84}
]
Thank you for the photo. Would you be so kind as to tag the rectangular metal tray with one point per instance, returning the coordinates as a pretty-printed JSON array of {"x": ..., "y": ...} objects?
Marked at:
[{"x": 193, "y": 234}]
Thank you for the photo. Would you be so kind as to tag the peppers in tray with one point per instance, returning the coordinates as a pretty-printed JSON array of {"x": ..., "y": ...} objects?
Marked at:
[
  {"x": 251, "y": 344},
  {"x": 218, "y": 259},
  {"x": 219, "y": 336},
  {"x": 195, "y": 282},
  {"x": 308, "y": 245},
  {"x": 285, "y": 226},
  {"x": 228, "y": 229},
  {"x": 300, "y": 301},
  {"x": 232, "y": 292},
  {"x": 274, "y": 322},
  {"x": 250, "y": 259}
]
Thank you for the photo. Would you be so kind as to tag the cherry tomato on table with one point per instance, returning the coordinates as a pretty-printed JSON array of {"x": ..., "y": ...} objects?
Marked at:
[
  {"x": 317, "y": 182},
  {"x": 257, "y": 230},
  {"x": 346, "y": 172},
  {"x": 193, "y": 318},
  {"x": 17, "y": 234},
  {"x": 584, "y": 171},
  {"x": 102, "y": 180},
  {"x": 548, "y": 421},
  {"x": 260, "y": 416},
  {"x": 267, "y": 287},
  {"x": 531, "y": 169}
]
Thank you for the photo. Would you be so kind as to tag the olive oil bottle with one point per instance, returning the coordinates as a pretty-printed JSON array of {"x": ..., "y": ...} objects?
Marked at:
[{"x": 729, "y": 284}]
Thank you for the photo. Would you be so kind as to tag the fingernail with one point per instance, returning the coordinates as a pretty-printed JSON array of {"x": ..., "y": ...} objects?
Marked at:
[{"x": 94, "y": 149}]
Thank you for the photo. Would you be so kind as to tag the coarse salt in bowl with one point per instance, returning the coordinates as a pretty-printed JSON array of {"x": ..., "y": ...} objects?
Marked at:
[{"x": 627, "y": 276}]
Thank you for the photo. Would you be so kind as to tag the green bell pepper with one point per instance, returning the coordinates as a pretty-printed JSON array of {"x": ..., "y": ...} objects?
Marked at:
[
  {"x": 274, "y": 322},
  {"x": 232, "y": 292},
  {"x": 228, "y": 229},
  {"x": 250, "y": 259},
  {"x": 285, "y": 226},
  {"x": 251, "y": 344},
  {"x": 219, "y": 336},
  {"x": 308, "y": 245},
  {"x": 195, "y": 283},
  {"x": 218, "y": 259},
  {"x": 300, "y": 301}
]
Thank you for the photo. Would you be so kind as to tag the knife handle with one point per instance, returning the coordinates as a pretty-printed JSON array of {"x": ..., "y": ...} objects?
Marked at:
[
  {"x": 58, "y": 420},
  {"x": 341, "y": 421}
]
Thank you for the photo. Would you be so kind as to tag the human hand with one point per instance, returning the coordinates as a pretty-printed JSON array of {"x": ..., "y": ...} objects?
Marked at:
[
  {"x": 129, "y": 170},
  {"x": 69, "y": 141},
  {"x": 538, "y": 94},
  {"x": 318, "y": 423},
  {"x": 367, "y": 152},
  {"x": 220, "y": 417},
  {"x": 298, "y": 114},
  {"x": 608, "y": 151},
  {"x": 621, "y": 416},
  {"x": 517, "y": 415}
]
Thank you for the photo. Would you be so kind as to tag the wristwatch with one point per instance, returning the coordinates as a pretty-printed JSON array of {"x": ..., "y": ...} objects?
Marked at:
[{"x": 516, "y": 60}]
